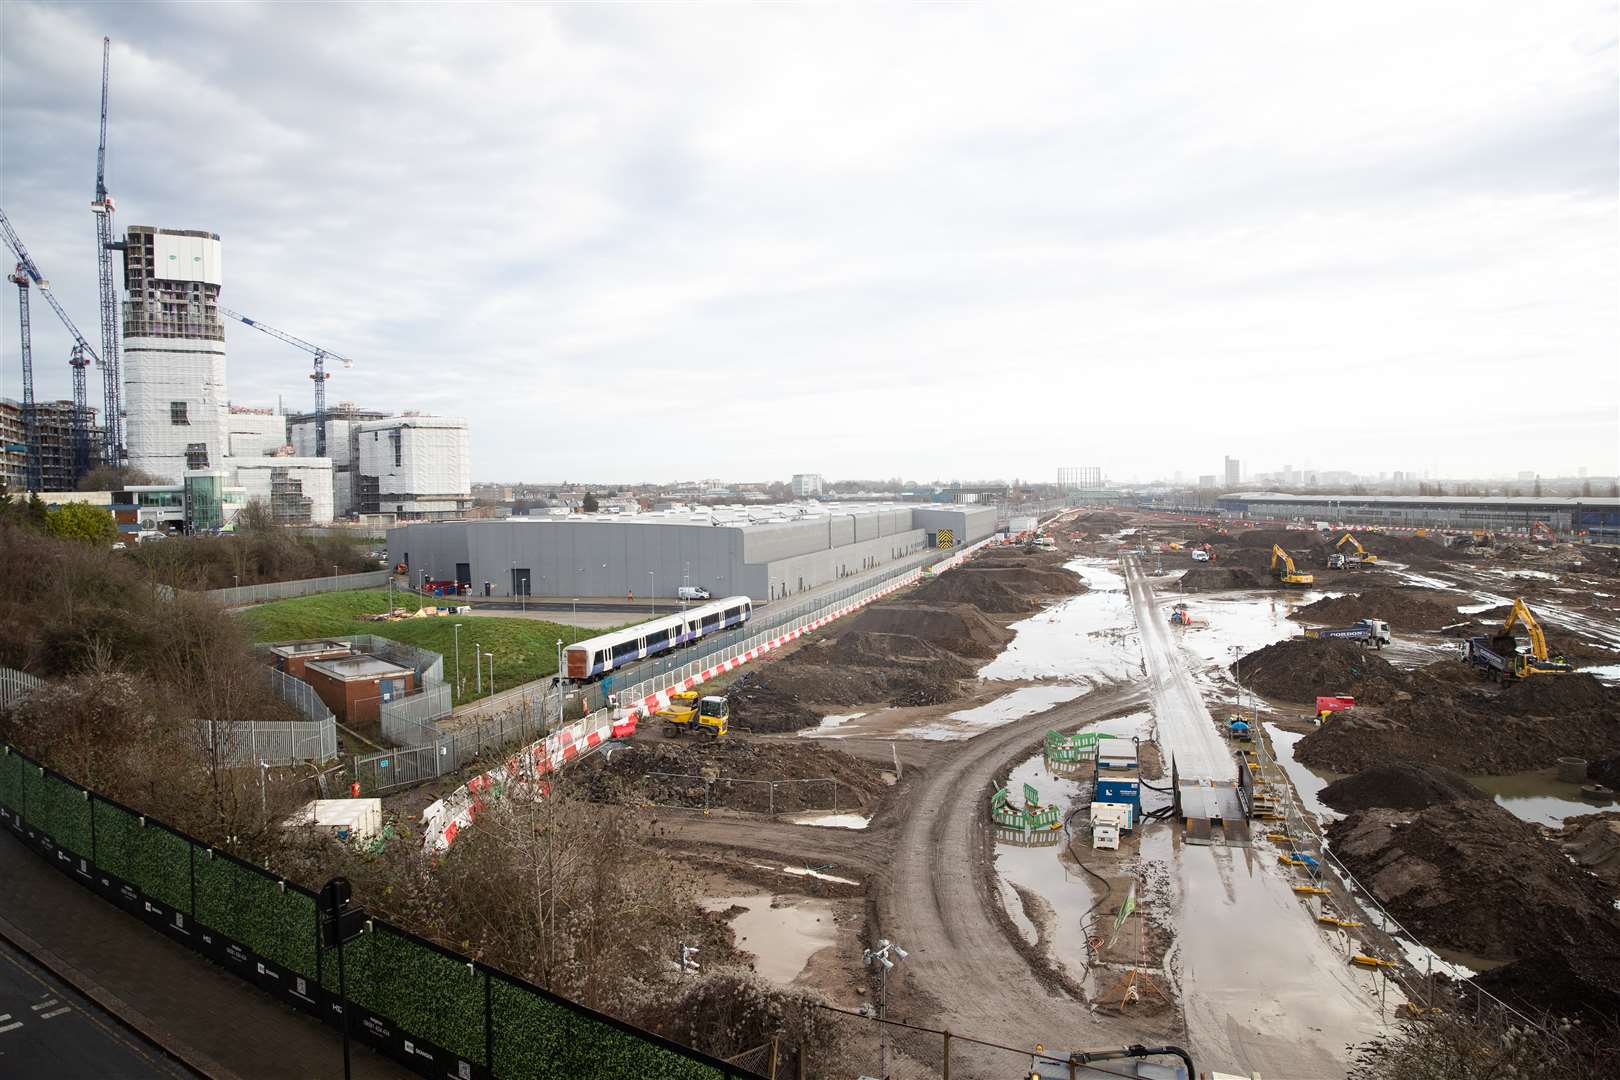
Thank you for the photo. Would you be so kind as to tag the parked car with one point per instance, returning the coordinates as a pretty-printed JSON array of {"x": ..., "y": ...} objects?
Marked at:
[{"x": 692, "y": 592}]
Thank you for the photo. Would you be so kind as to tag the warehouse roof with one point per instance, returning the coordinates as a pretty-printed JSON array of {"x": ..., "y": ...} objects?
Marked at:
[
  {"x": 742, "y": 515},
  {"x": 1426, "y": 500}
]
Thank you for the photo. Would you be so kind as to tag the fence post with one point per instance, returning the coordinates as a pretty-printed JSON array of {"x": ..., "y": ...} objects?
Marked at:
[
  {"x": 489, "y": 1028},
  {"x": 947, "y": 1072}
]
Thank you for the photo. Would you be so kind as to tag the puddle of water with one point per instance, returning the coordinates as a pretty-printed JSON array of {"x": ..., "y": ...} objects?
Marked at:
[
  {"x": 1014, "y": 705},
  {"x": 1541, "y": 574},
  {"x": 828, "y": 723},
  {"x": 1541, "y": 797},
  {"x": 805, "y": 871},
  {"x": 1090, "y": 636},
  {"x": 782, "y": 938},
  {"x": 1042, "y": 870},
  {"x": 1308, "y": 782},
  {"x": 831, "y": 821},
  {"x": 1609, "y": 673},
  {"x": 1255, "y": 969}
]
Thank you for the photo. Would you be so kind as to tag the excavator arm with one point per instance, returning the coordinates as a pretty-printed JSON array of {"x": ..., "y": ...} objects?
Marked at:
[{"x": 1521, "y": 615}]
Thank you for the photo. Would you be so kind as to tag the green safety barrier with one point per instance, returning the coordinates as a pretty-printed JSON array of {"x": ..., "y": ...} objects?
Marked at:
[
  {"x": 1029, "y": 817},
  {"x": 1070, "y": 748},
  {"x": 433, "y": 1008}
]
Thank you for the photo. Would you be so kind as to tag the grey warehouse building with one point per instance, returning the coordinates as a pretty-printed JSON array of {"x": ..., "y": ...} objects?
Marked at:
[
  {"x": 762, "y": 552},
  {"x": 1598, "y": 518}
]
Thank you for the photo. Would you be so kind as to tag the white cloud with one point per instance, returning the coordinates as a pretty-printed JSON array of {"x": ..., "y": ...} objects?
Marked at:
[{"x": 664, "y": 241}]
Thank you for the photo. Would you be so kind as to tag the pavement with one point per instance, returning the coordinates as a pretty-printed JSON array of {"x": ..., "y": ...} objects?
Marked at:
[
  {"x": 162, "y": 994},
  {"x": 1186, "y": 730}
]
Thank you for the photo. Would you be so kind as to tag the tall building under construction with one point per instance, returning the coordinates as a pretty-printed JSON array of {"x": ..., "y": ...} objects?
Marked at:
[{"x": 175, "y": 400}]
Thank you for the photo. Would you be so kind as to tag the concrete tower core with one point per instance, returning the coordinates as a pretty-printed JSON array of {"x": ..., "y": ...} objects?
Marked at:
[{"x": 174, "y": 352}]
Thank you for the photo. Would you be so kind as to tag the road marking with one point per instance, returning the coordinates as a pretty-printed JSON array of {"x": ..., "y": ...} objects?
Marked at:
[
  {"x": 43, "y": 1005},
  {"x": 4, "y": 1017},
  {"x": 56, "y": 1012},
  {"x": 10, "y": 1027}
]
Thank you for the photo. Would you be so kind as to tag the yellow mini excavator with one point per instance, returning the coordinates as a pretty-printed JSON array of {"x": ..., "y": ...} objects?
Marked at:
[
  {"x": 1286, "y": 572},
  {"x": 1499, "y": 655}
]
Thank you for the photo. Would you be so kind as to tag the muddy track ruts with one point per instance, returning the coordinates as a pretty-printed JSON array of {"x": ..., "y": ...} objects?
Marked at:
[{"x": 969, "y": 970}]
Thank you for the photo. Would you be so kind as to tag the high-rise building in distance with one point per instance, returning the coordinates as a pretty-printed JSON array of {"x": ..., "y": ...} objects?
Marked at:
[
  {"x": 1234, "y": 472},
  {"x": 174, "y": 352},
  {"x": 1080, "y": 478}
]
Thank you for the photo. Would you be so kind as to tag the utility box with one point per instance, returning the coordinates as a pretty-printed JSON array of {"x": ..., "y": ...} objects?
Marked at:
[
  {"x": 1119, "y": 815},
  {"x": 1120, "y": 789},
  {"x": 1105, "y": 836}
]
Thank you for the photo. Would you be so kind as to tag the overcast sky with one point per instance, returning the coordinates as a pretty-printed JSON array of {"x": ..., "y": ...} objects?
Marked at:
[{"x": 664, "y": 242}]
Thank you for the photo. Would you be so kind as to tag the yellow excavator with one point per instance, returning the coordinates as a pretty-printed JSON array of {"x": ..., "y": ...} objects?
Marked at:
[
  {"x": 1499, "y": 655},
  {"x": 1287, "y": 573},
  {"x": 1359, "y": 557},
  {"x": 709, "y": 716}
]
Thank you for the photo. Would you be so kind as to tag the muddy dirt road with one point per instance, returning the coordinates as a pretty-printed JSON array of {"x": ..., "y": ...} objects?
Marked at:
[
  {"x": 1186, "y": 731},
  {"x": 965, "y": 968}
]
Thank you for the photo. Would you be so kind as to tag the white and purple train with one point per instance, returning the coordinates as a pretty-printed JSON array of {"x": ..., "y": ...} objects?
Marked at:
[{"x": 594, "y": 657}]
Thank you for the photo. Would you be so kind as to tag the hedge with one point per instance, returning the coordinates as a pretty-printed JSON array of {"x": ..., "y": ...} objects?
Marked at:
[
  {"x": 420, "y": 989},
  {"x": 252, "y": 908},
  {"x": 11, "y": 781},
  {"x": 60, "y": 809}
]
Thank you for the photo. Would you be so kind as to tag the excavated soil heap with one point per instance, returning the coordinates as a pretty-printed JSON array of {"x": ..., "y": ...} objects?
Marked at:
[
  {"x": 1593, "y": 841},
  {"x": 980, "y": 590},
  {"x": 1399, "y": 787},
  {"x": 626, "y": 773},
  {"x": 1203, "y": 578},
  {"x": 1301, "y": 668},
  {"x": 1435, "y": 719},
  {"x": 1403, "y": 609},
  {"x": 958, "y": 628},
  {"x": 1471, "y": 876},
  {"x": 893, "y": 651}
]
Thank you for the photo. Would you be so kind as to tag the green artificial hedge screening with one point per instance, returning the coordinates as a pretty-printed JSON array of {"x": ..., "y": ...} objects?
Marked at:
[
  {"x": 420, "y": 989},
  {"x": 60, "y": 809},
  {"x": 11, "y": 781},
  {"x": 250, "y": 907},
  {"x": 538, "y": 1039}
]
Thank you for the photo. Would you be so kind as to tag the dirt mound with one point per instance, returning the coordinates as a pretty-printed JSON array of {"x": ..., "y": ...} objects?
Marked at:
[
  {"x": 895, "y": 651},
  {"x": 1593, "y": 841},
  {"x": 980, "y": 590},
  {"x": 1548, "y": 984},
  {"x": 1034, "y": 579},
  {"x": 1403, "y": 609},
  {"x": 629, "y": 773},
  {"x": 1399, "y": 787},
  {"x": 1302, "y": 545},
  {"x": 958, "y": 628},
  {"x": 1102, "y": 519},
  {"x": 785, "y": 696},
  {"x": 1299, "y": 669},
  {"x": 1217, "y": 578},
  {"x": 1437, "y": 718},
  {"x": 1467, "y": 874}
]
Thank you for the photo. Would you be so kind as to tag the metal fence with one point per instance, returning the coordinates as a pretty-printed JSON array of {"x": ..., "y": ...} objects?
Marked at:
[
  {"x": 15, "y": 685},
  {"x": 428, "y": 751},
  {"x": 281, "y": 590},
  {"x": 273, "y": 742},
  {"x": 405, "y": 714},
  {"x": 299, "y": 694}
]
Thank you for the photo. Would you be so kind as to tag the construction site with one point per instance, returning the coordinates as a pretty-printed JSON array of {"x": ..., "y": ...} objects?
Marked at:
[{"x": 1135, "y": 785}]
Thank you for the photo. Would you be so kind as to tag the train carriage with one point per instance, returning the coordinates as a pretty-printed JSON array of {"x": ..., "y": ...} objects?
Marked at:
[{"x": 589, "y": 660}]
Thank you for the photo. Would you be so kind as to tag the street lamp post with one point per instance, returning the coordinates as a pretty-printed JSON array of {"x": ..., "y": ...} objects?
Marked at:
[
  {"x": 491, "y": 655},
  {"x": 558, "y": 681},
  {"x": 455, "y": 632},
  {"x": 880, "y": 956},
  {"x": 653, "y": 592},
  {"x": 478, "y": 668}
]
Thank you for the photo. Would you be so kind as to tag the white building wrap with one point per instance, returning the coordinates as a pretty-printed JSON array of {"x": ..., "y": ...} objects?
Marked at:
[
  {"x": 174, "y": 396},
  {"x": 298, "y": 490},
  {"x": 255, "y": 434},
  {"x": 420, "y": 464}
]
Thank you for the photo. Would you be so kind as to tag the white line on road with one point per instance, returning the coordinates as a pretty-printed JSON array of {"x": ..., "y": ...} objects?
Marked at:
[
  {"x": 56, "y": 1012},
  {"x": 43, "y": 1005},
  {"x": 10, "y": 1027}
]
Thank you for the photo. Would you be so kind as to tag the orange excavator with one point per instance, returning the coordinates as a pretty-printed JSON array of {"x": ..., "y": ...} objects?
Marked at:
[{"x": 1286, "y": 572}]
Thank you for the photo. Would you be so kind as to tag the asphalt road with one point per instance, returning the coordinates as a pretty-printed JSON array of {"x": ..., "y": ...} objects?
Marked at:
[
  {"x": 1186, "y": 730},
  {"x": 47, "y": 1029}
]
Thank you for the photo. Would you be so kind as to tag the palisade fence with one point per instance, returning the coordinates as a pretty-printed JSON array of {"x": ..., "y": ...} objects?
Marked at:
[
  {"x": 435, "y": 1011},
  {"x": 245, "y": 743},
  {"x": 234, "y": 595},
  {"x": 15, "y": 685}
]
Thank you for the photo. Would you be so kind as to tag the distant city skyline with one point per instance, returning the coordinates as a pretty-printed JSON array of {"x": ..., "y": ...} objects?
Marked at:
[{"x": 1054, "y": 234}]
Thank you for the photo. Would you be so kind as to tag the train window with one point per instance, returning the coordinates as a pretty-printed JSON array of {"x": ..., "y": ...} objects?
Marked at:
[
  {"x": 658, "y": 639},
  {"x": 711, "y": 620}
]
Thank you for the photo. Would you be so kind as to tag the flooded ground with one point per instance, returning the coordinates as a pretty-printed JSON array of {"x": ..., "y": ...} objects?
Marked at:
[
  {"x": 1013, "y": 705},
  {"x": 1085, "y": 639},
  {"x": 783, "y": 932},
  {"x": 831, "y": 821}
]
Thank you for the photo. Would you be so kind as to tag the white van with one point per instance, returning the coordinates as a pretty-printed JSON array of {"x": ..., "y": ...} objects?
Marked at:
[{"x": 691, "y": 592}]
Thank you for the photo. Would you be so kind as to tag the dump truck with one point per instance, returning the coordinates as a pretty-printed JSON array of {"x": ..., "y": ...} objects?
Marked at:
[
  {"x": 1498, "y": 655},
  {"x": 1360, "y": 556},
  {"x": 1374, "y": 632},
  {"x": 709, "y": 716}
]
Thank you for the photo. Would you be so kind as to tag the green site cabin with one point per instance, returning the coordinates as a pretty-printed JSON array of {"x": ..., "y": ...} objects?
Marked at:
[{"x": 524, "y": 649}]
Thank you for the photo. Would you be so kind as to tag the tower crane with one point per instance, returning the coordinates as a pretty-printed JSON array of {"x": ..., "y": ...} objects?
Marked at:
[
  {"x": 81, "y": 413},
  {"x": 111, "y": 350},
  {"x": 319, "y": 375},
  {"x": 83, "y": 354},
  {"x": 19, "y": 277}
]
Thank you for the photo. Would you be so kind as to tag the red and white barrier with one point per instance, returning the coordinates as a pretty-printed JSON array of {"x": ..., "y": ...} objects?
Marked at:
[{"x": 526, "y": 771}]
